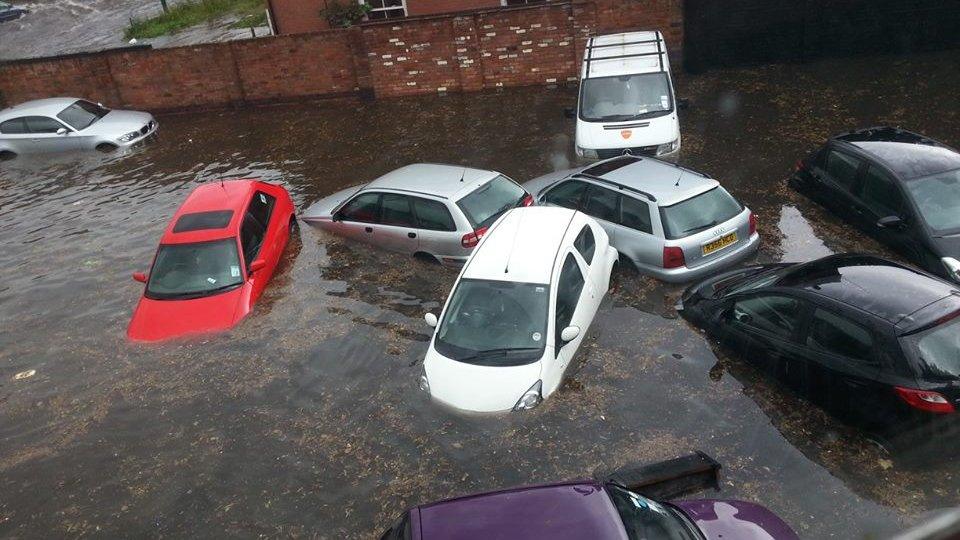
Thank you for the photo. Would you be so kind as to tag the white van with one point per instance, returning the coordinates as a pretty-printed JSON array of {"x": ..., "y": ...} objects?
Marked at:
[{"x": 627, "y": 104}]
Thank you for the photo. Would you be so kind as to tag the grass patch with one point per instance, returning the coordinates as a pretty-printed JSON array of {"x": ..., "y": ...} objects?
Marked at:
[{"x": 193, "y": 12}]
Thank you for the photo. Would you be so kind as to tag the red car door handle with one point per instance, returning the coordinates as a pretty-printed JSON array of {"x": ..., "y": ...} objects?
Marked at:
[{"x": 368, "y": 229}]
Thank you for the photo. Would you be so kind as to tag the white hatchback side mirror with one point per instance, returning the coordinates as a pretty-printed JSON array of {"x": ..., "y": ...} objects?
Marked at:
[
  {"x": 62, "y": 131},
  {"x": 569, "y": 333},
  {"x": 431, "y": 320}
]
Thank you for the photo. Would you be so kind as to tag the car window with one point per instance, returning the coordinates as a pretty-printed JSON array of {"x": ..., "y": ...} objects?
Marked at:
[
  {"x": 395, "y": 210},
  {"x": 880, "y": 194},
  {"x": 261, "y": 207},
  {"x": 567, "y": 194},
  {"x": 601, "y": 203},
  {"x": 937, "y": 350},
  {"x": 490, "y": 201},
  {"x": 837, "y": 335},
  {"x": 698, "y": 213},
  {"x": 42, "y": 124},
  {"x": 777, "y": 315},
  {"x": 251, "y": 238},
  {"x": 363, "y": 208},
  {"x": 635, "y": 214},
  {"x": 585, "y": 244},
  {"x": 938, "y": 197},
  {"x": 842, "y": 168},
  {"x": 433, "y": 215},
  {"x": 569, "y": 287},
  {"x": 82, "y": 114},
  {"x": 13, "y": 127},
  {"x": 193, "y": 270}
]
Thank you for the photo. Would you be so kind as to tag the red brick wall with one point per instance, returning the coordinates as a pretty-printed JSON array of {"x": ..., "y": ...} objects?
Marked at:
[
  {"x": 466, "y": 52},
  {"x": 298, "y": 16}
]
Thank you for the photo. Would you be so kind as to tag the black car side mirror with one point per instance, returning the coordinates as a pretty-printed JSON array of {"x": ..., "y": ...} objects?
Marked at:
[
  {"x": 683, "y": 104},
  {"x": 569, "y": 112},
  {"x": 890, "y": 222}
]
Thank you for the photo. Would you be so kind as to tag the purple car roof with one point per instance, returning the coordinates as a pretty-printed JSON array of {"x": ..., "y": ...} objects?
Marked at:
[{"x": 572, "y": 510}]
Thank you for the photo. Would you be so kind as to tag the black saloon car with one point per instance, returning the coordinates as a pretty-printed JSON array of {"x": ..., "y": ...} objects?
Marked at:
[
  {"x": 900, "y": 187},
  {"x": 871, "y": 340}
]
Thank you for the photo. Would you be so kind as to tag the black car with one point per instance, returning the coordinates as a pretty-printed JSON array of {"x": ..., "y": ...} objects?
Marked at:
[
  {"x": 10, "y": 13},
  {"x": 900, "y": 187},
  {"x": 873, "y": 341}
]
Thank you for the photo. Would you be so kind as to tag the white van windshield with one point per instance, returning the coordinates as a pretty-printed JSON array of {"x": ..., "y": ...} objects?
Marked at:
[{"x": 626, "y": 97}]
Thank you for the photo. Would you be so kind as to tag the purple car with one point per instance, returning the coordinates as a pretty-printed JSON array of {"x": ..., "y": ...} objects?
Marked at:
[{"x": 587, "y": 509}]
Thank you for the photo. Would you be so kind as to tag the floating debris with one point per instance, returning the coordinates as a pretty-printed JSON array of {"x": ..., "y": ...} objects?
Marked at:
[{"x": 25, "y": 374}]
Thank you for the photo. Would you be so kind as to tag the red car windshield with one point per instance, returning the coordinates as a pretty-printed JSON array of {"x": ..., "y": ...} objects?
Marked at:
[{"x": 183, "y": 271}]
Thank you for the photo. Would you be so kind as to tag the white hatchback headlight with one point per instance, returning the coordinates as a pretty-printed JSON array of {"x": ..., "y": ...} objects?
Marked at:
[
  {"x": 531, "y": 398},
  {"x": 666, "y": 148},
  {"x": 424, "y": 383},
  {"x": 129, "y": 136},
  {"x": 953, "y": 267}
]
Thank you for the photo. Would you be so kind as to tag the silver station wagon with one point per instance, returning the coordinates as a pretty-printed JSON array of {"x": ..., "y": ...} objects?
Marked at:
[
  {"x": 430, "y": 211},
  {"x": 61, "y": 124},
  {"x": 672, "y": 223}
]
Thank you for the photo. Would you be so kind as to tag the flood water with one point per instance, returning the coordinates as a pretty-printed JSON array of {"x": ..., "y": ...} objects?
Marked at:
[
  {"x": 306, "y": 419},
  {"x": 55, "y": 27}
]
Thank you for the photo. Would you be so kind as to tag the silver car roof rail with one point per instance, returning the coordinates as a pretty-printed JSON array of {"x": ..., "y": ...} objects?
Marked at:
[{"x": 650, "y": 197}]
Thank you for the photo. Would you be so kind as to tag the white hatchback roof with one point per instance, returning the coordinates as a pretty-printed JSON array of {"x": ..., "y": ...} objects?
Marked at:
[
  {"x": 522, "y": 245},
  {"x": 625, "y": 54},
  {"x": 39, "y": 107}
]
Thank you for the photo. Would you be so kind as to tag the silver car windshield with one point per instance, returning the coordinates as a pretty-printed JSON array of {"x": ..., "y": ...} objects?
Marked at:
[
  {"x": 627, "y": 97},
  {"x": 489, "y": 201},
  {"x": 938, "y": 197},
  {"x": 698, "y": 213},
  {"x": 82, "y": 114},
  {"x": 183, "y": 271},
  {"x": 495, "y": 323}
]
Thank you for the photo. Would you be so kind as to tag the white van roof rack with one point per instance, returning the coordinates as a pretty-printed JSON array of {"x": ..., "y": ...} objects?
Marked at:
[{"x": 661, "y": 50}]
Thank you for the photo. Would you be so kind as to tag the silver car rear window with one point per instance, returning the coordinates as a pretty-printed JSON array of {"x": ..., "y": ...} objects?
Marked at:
[{"x": 698, "y": 213}]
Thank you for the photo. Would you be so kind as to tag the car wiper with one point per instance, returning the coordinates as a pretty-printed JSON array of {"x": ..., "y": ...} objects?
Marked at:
[
  {"x": 701, "y": 227},
  {"x": 199, "y": 294},
  {"x": 489, "y": 353}
]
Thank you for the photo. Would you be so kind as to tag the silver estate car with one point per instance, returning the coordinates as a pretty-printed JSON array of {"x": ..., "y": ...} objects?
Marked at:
[
  {"x": 672, "y": 223},
  {"x": 434, "y": 212},
  {"x": 59, "y": 124}
]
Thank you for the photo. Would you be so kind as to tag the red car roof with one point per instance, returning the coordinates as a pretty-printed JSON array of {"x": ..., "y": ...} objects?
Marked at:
[{"x": 211, "y": 197}]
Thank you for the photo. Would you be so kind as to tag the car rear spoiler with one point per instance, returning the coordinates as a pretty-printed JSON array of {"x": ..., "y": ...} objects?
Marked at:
[{"x": 668, "y": 479}]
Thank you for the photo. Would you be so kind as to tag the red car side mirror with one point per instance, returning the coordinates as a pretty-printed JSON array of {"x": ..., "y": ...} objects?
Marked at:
[
  {"x": 140, "y": 276},
  {"x": 257, "y": 265}
]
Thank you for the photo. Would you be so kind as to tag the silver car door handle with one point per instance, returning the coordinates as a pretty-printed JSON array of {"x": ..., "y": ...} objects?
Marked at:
[{"x": 368, "y": 229}]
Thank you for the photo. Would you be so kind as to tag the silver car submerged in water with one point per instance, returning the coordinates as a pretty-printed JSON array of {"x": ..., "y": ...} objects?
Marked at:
[
  {"x": 672, "y": 223},
  {"x": 431, "y": 211},
  {"x": 62, "y": 124}
]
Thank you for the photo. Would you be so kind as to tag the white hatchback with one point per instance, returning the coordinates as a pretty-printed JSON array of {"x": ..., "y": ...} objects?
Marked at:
[{"x": 518, "y": 311}]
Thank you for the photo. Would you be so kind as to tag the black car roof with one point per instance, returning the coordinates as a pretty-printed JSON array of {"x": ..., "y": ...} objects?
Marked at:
[
  {"x": 908, "y": 154},
  {"x": 878, "y": 286}
]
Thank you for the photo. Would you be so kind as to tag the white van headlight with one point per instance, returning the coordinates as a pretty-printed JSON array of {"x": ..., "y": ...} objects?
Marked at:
[
  {"x": 531, "y": 398},
  {"x": 588, "y": 153},
  {"x": 953, "y": 267},
  {"x": 666, "y": 148}
]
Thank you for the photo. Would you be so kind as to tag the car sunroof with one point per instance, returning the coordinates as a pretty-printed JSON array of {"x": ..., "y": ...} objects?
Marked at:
[
  {"x": 610, "y": 166},
  {"x": 199, "y": 221}
]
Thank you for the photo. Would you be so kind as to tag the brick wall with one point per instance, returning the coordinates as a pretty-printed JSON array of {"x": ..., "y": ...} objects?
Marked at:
[
  {"x": 298, "y": 16},
  {"x": 462, "y": 52}
]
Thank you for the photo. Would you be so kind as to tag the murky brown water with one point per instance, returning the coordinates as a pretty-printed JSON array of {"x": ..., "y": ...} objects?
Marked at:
[
  {"x": 55, "y": 27},
  {"x": 306, "y": 420}
]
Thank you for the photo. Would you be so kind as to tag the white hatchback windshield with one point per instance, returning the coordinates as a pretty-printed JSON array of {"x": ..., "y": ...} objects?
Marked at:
[
  {"x": 495, "y": 323},
  {"x": 627, "y": 97}
]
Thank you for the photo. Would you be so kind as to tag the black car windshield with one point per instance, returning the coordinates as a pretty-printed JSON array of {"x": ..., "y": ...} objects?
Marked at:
[
  {"x": 937, "y": 350},
  {"x": 938, "y": 198},
  {"x": 489, "y": 201},
  {"x": 698, "y": 213},
  {"x": 645, "y": 519},
  {"x": 495, "y": 323},
  {"x": 627, "y": 97},
  {"x": 82, "y": 114},
  {"x": 183, "y": 271}
]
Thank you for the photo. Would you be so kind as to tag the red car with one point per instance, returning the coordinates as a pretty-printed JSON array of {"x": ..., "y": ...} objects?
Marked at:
[{"x": 215, "y": 258}]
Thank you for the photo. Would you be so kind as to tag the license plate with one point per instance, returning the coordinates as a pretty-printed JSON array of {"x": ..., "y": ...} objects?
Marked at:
[{"x": 719, "y": 243}]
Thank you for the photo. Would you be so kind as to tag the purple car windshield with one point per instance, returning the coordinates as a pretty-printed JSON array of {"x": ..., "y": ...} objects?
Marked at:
[{"x": 646, "y": 519}]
